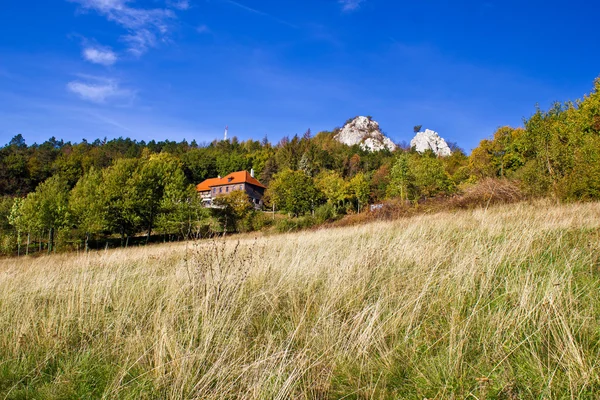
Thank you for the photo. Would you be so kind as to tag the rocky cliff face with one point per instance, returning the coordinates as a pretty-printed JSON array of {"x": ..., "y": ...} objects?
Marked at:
[
  {"x": 430, "y": 140},
  {"x": 366, "y": 133}
]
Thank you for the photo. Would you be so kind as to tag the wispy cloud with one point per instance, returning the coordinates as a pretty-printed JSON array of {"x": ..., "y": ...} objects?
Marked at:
[
  {"x": 258, "y": 12},
  {"x": 99, "y": 55},
  {"x": 144, "y": 25},
  {"x": 179, "y": 4},
  {"x": 350, "y": 5},
  {"x": 99, "y": 90},
  {"x": 203, "y": 29}
]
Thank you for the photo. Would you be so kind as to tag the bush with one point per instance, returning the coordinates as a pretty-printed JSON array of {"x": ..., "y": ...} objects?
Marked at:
[
  {"x": 295, "y": 224},
  {"x": 8, "y": 244},
  {"x": 255, "y": 221},
  {"x": 325, "y": 213},
  {"x": 488, "y": 191}
]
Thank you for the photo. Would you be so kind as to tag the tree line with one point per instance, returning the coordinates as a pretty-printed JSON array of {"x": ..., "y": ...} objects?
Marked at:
[{"x": 113, "y": 190}]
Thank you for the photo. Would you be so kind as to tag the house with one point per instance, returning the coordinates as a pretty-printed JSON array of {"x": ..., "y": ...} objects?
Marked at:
[{"x": 241, "y": 180}]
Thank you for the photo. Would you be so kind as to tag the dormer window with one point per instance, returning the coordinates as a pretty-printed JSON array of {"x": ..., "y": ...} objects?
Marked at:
[{"x": 229, "y": 179}]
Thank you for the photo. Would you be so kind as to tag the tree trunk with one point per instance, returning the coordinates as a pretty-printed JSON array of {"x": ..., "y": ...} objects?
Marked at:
[
  {"x": 28, "y": 239},
  {"x": 150, "y": 223},
  {"x": 50, "y": 240},
  {"x": 122, "y": 232},
  {"x": 87, "y": 238}
]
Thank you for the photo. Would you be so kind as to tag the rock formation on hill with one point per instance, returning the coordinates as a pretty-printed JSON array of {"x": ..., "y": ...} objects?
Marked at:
[
  {"x": 430, "y": 140},
  {"x": 366, "y": 133}
]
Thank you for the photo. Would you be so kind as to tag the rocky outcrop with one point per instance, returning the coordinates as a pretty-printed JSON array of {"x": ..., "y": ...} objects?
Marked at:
[
  {"x": 430, "y": 140},
  {"x": 366, "y": 133}
]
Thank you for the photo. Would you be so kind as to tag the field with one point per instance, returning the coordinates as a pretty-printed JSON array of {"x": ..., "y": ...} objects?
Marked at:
[{"x": 502, "y": 303}]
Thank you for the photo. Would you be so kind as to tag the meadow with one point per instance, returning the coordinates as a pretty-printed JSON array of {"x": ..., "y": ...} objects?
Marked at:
[{"x": 497, "y": 303}]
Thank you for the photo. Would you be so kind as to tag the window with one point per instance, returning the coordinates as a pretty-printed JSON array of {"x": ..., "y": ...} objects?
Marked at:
[
  {"x": 227, "y": 189},
  {"x": 220, "y": 190}
]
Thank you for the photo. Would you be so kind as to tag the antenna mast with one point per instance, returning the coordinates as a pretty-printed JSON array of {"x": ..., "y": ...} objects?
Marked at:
[{"x": 226, "y": 131}]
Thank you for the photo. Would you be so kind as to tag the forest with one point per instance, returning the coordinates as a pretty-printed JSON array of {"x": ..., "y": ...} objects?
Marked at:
[{"x": 63, "y": 195}]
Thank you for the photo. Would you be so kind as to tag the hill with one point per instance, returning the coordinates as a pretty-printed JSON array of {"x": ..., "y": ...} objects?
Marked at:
[{"x": 489, "y": 303}]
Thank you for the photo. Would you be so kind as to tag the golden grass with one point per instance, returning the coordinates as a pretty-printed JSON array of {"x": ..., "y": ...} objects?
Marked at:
[{"x": 497, "y": 303}]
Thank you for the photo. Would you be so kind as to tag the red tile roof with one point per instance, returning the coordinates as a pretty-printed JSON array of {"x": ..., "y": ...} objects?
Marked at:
[
  {"x": 231, "y": 179},
  {"x": 205, "y": 186}
]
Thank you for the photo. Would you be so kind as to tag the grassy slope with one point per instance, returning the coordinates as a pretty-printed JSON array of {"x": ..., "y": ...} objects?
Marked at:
[{"x": 496, "y": 304}]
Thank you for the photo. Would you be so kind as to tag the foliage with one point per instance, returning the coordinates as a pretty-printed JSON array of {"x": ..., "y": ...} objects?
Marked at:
[
  {"x": 46, "y": 208},
  {"x": 86, "y": 206},
  {"x": 286, "y": 225},
  {"x": 429, "y": 176},
  {"x": 325, "y": 213},
  {"x": 181, "y": 212},
  {"x": 232, "y": 209},
  {"x": 126, "y": 187},
  {"x": 556, "y": 154},
  {"x": 117, "y": 201},
  {"x": 333, "y": 187},
  {"x": 359, "y": 187},
  {"x": 293, "y": 192},
  {"x": 401, "y": 178}
]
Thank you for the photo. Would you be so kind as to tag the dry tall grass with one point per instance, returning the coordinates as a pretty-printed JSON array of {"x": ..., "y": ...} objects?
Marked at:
[{"x": 499, "y": 303}]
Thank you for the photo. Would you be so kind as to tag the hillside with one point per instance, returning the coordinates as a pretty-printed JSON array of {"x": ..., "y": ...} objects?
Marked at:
[
  {"x": 60, "y": 196},
  {"x": 498, "y": 303}
]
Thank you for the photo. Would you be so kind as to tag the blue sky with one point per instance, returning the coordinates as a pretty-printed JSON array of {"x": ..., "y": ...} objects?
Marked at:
[{"x": 175, "y": 69}]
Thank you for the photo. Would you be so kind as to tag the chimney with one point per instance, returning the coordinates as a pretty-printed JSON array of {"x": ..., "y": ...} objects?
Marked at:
[{"x": 252, "y": 172}]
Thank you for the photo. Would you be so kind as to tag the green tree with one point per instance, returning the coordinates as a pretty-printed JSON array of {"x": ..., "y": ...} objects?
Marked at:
[
  {"x": 86, "y": 205},
  {"x": 360, "y": 188},
  {"x": 181, "y": 211},
  {"x": 47, "y": 207},
  {"x": 333, "y": 187},
  {"x": 116, "y": 195},
  {"x": 199, "y": 164},
  {"x": 231, "y": 162},
  {"x": 18, "y": 221},
  {"x": 293, "y": 192},
  {"x": 401, "y": 180},
  {"x": 155, "y": 176},
  {"x": 430, "y": 178},
  {"x": 232, "y": 208}
]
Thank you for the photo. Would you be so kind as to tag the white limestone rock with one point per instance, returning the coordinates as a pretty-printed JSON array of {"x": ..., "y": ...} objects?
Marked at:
[
  {"x": 430, "y": 140},
  {"x": 366, "y": 133}
]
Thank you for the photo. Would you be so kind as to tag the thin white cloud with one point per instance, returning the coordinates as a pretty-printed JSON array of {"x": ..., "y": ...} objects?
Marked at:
[
  {"x": 350, "y": 5},
  {"x": 140, "y": 41},
  {"x": 99, "y": 90},
  {"x": 144, "y": 25},
  {"x": 179, "y": 4},
  {"x": 258, "y": 12},
  {"x": 100, "y": 55},
  {"x": 203, "y": 29}
]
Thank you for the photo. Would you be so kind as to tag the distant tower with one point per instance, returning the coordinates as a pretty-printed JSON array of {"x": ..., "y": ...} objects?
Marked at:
[{"x": 226, "y": 131}]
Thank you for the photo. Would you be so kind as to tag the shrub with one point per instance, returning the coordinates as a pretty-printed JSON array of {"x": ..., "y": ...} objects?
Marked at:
[
  {"x": 488, "y": 191},
  {"x": 295, "y": 224},
  {"x": 8, "y": 244},
  {"x": 325, "y": 213}
]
